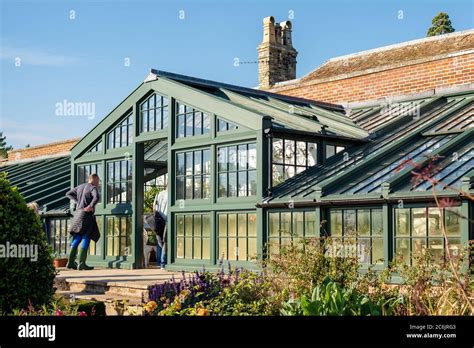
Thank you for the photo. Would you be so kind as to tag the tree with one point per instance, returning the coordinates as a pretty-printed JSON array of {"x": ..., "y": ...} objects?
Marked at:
[
  {"x": 3, "y": 146},
  {"x": 441, "y": 24},
  {"x": 26, "y": 278}
]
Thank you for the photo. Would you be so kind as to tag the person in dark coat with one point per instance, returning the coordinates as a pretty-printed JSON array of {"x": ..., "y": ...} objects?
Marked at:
[{"x": 83, "y": 227}]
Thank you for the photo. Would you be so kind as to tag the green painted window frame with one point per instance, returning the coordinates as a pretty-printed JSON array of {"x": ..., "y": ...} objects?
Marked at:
[
  {"x": 118, "y": 238},
  {"x": 413, "y": 232},
  {"x": 199, "y": 179},
  {"x": 188, "y": 232},
  {"x": 200, "y": 121},
  {"x": 294, "y": 164},
  {"x": 374, "y": 240},
  {"x": 293, "y": 232},
  {"x": 241, "y": 170},
  {"x": 124, "y": 130},
  {"x": 243, "y": 239},
  {"x": 154, "y": 113},
  {"x": 123, "y": 180}
]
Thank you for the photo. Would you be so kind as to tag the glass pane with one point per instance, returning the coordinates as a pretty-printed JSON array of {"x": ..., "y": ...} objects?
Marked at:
[
  {"x": 363, "y": 250},
  {"x": 312, "y": 154},
  {"x": 377, "y": 250},
  {"x": 222, "y": 225},
  {"x": 349, "y": 222},
  {"x": 330, "y": 150},
  {"x": 222, "y": 159},
  {"x": 188, "y": 248},
  {"x": 232, "y": 225},
  {"x": 363, "y": 222},
  {"x": 252, "y": 248},
  {"x": 402, "y": 250},
  {"x": 285, "y": 227},
  {"x": 206, "y": 193},
  {"x": 180, "y": 248},
  {"x": 454, "y": 246},
  {"x": 242, "y": 249},
  {"x": 188, "y": 225},
  {"x": 277, "y": 174},
  {"x": 290, "y": 155},
  {"x": 180, "y": 126},
  {"x": 180, "y": 225},
  {"x": 221, "y": 125},
  {"x": 301, "y": 153},
  {"x": 452, "y": 216},
  {"x": 242, "y": 157},
  {"x": 189, "y": 125},
  {"x": 232, "y": 185},
  {"x": 298, "y": 224},
  {"x": 197, "y": 225},
  {"x": 206, "y": 161},
  {"x": 278, "y": 150},
  {"x": 242, "y": 225},
  {"x": 252, "y": 156},
  {"x": 180, "y": 187},
  {"x": 419, "y": 222},
  {"x": 434, "y": 222},
  {"x": 402, "y": 222},
  {"x": 274, "y": 224},
  {"x": 377, "y": 225},
  {"x": 418, "y": 247},
  {"x": 180, "y": 164},
  {"x": 252, "y": 225},
  {"x": 206, "y": 225},
  {"x": 252, "y": 182},
  {"x": 310, "y": 223},
  {"x": 232, "y": 249},
  {"x": 206, "y": 123},
  {"x": 232, "y": 160},
  {"x": 222, "y": 251},
  {"x": 242, "y": 183},
  {"x": 197, "y": 123},
  {"x": 222, "y": 185},
  {"x": 336, "y": 223},
  {"x": 197, "y": 187},
  {"x": 436, "y": 248},
  {"x": 189, "y": 187},
  {"x": 197, "y": 248},
  {"x": 197, "y": 162},
  {"x": 206, "y": 250}
]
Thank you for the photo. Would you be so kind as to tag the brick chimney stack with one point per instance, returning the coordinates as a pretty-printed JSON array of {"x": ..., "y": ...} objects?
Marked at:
[{"x": 276, "y": 55}]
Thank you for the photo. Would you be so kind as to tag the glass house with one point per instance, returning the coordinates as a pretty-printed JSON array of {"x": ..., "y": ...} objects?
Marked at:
[{"x": 249, "y": 171}]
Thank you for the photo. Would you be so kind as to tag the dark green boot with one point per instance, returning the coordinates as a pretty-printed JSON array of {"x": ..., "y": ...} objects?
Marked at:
[
  {"x": 82, "y": 260},
  {"x": 71, "y": 263}
]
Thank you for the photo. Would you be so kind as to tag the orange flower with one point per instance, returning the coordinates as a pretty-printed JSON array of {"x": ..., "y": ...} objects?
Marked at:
[{"x": 202, "y": 312}]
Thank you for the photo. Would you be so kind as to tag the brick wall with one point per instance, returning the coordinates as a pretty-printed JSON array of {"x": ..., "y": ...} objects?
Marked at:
[
  {"x": 415, "y": 78},
  {"x": 42, "y": 150}
]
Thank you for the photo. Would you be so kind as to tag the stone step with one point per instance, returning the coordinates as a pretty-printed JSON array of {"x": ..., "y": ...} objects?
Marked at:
[
  {"x": 113, "y": 305},
  {"x": 116, "y": 290}
]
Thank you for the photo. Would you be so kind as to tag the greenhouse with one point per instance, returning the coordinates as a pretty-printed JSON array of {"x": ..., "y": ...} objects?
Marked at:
[{"x": 250, "y": 171}]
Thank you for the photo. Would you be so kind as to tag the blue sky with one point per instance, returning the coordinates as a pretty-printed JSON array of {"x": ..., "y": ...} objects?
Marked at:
[{"x": 78, "y": 50}]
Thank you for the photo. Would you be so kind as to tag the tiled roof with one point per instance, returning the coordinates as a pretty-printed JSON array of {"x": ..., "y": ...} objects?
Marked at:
[{"x": 392, "y": 56}]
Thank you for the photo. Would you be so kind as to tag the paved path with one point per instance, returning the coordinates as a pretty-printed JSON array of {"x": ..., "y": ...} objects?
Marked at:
[{"x": 147, "y": 276}]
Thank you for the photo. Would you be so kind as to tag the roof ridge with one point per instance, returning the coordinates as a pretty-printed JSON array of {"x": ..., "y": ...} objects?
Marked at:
[{"x": 401, "y": 44}]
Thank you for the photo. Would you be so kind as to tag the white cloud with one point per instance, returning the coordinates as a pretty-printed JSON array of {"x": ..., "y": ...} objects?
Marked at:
[{"x": 38, "y": 57}]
